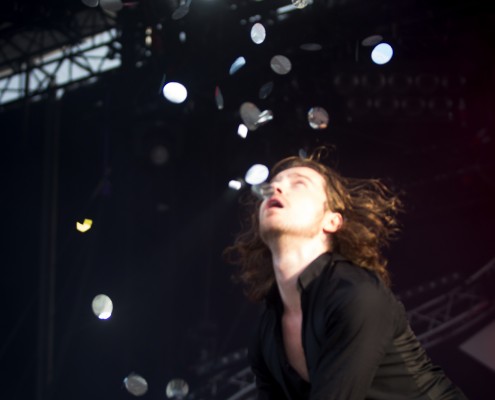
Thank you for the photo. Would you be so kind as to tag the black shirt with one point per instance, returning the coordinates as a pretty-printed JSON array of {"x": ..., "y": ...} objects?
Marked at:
[{"x": 356, "y": 340}]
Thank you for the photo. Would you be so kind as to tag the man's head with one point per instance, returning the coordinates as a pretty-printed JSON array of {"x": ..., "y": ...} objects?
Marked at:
[
  {"x": 300, "y": 204},
  {"x": 357, "y": 217}
]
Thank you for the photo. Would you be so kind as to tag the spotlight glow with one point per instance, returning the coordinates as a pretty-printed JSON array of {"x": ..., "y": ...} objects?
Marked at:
[
  {"x": 258, "y": 33},
  {"x": 219, "y": 98},
  {"x": 177, "y": 389},
  {"x": 281, "y": 65},
  {"x": 318, "y": 118},
  {"x": 136, "y": 384},
  {"x": 102, "y": 306},
  {"x": 257, "y": 174},
  {"x": 372, "y": 40},
  {"x": 382, "y": 53},
  {"x": 242, "y": 131},
  {"x": 175, "y": 92},
  {"x": 235, "y": 184},
  {"x": 237, "y": 65},
  {"x": 249, "y": 115},
  {"x": 300, "y": 3}
]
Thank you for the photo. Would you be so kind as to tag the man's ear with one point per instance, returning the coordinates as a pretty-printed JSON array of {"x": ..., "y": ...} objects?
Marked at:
[{"x": 333, "y": 222}]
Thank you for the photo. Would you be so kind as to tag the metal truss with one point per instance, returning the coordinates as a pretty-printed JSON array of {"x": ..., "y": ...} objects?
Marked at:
[
  {"x": 225, "y": 380},
  {"x": 227, "y": 385},
  {"x": 455, "y": 311},
  {"x": 54, "y": 54},
  {"x": 244, "y": 379}
]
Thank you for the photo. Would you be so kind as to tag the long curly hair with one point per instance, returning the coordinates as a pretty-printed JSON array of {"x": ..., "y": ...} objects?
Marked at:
[{"x": 369, "y": 210}]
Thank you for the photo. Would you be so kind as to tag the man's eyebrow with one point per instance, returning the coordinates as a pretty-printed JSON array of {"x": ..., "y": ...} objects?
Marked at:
[
  {"x": 298, "y": 175},
  {"x": 295, "y": 174}
]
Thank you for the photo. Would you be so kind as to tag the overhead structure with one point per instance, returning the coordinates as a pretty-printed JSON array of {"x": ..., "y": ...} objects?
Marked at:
[
  {"x": 454, "y": 312},
  {"x": 53, "y": 51}
]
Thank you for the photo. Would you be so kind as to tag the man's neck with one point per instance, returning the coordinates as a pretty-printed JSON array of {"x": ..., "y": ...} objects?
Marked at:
[{"x": 290, "y": 258}]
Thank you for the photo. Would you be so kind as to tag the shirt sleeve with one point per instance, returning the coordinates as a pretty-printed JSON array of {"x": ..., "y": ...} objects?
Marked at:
[{"x": 359, "y": 325}]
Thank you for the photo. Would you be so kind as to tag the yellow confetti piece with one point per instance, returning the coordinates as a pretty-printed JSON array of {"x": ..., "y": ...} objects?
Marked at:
[{"x": 85, "y": 226}]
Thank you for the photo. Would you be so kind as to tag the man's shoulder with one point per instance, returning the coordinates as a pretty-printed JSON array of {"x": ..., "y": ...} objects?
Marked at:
[
  {"x": 354, "y": 291},
  {"x": 346, "y": 280},
  {"x": 348, "y": 271},
  {"x": 345, "y": 271}
]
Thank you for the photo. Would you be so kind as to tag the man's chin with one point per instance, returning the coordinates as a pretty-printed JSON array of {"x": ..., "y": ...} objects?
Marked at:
[{"x": 270, "y": 233}]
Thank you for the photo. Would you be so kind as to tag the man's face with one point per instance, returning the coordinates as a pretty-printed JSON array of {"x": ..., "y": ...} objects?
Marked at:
[{"x": 298, "y": 206}]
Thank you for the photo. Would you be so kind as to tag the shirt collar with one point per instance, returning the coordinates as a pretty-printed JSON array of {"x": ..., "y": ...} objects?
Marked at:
[
  {"x": 311, "y": 272},
  {"x": 315, "y": 268}
]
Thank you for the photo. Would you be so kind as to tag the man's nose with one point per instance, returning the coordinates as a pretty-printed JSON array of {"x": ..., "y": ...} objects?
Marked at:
[{"x": 277, "y": 187}]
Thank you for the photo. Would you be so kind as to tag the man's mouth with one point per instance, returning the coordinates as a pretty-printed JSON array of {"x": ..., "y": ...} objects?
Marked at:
[{"x": 274, "y": 202}]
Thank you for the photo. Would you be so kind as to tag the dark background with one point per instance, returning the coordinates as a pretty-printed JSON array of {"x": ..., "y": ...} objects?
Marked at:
[{"x": 159, "y": 231}]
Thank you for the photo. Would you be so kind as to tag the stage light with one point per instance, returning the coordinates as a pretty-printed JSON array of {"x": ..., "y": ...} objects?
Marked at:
[
  {"x": 102, "y": 306},
  {"x": 175, "y": 92},
  {"x": 257, "y": 174},
  {"x": 285, "y": 9},
  {"x": 60, "y": 93},
  {"x": 265, "y": 90},
  {"x": 258, "y": 33},
  {"x": 371, "y": 41},
  {"x": 148, "y": 40},
  {"x": 136, "y": 384},
  {"x": 242, "y": 131},
  {"x": 219, "y": 98},
  {"x": 237, "y": 65},
  {"x": 177, "y": 389},
  {"x": 300, "y": 3},
  {"x": 296, "y": 4},
  {"x": 264, "y": 117},
  {"x": 382, "y": 53},
  {"x": 235, "y": 184},
  {"x": 317, "y": 118},
  {"x": 85, "y": 226},
  {"x": 249, "y": 114},
  {"x": 281, "y": 65},
  {"x": 182, "y": 10}
]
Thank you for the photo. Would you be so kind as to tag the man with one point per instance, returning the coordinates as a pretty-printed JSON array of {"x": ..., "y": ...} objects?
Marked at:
[{"x": 331, "y": 328}]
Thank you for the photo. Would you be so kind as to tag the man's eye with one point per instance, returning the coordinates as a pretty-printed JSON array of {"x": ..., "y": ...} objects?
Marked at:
[{"x": 300, "y": 183}]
